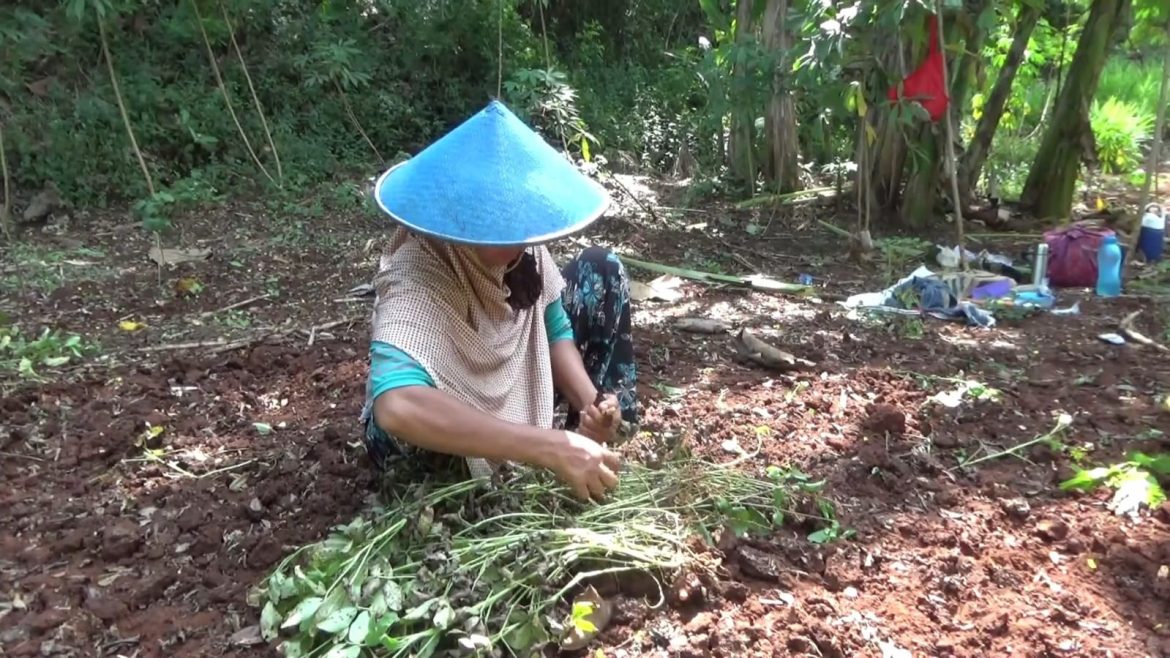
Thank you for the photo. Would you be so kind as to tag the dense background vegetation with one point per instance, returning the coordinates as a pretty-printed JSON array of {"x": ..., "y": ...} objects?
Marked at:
[{"x": 258, "y": 97}]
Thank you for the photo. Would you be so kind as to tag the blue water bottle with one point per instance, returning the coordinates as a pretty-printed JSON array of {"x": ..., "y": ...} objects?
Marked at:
[
  {"x": 1109, "y": 267},
  {"x": 1152, "y": 237}
]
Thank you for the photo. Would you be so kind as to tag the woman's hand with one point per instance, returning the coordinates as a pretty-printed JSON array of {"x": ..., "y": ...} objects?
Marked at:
[
  {"x": 602, "y": 420},
  {"x": 587, "y": 467}
]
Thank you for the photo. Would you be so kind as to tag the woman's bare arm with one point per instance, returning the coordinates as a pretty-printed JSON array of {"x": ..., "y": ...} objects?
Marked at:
[{"x": 435, "y": 421}]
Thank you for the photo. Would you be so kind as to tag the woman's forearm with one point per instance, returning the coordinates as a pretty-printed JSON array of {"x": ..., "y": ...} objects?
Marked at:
[
  {"x": 435, "y": 421},
  {"x": 569, "y": 375}
]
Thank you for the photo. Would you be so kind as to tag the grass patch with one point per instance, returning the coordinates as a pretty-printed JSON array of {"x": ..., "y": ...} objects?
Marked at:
[{"x": 42, "y": 269}]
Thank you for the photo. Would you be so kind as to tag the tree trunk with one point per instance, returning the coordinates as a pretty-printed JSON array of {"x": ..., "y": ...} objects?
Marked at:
[
  {"x": 743, "y": 131},
  {"x": 780, "y": 118},
  {"x": 888, "y": 153},
  {"x": 1053, "y": 176},
  {"x": 923, "y": 183},
  {"x": 975, "y": 156},
  {"x": 1155, "y": 159},
  {"x": 966, "y": 64}
]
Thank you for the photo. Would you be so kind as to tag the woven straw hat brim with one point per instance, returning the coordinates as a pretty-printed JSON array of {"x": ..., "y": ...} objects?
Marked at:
[{"x": 492, "y": 181}]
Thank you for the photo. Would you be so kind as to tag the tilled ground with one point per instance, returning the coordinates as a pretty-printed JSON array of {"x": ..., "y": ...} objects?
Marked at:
[{"x": 115, "y": 540}]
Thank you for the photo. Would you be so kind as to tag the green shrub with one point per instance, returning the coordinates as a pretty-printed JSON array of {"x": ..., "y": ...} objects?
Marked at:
[
  {"x": 1120, "y": 128},
  {"x": 1133, "y": 82},
  {"x": 1009, "y": 162}
]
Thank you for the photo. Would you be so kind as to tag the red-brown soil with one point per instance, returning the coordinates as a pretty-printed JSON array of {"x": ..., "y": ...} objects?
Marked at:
[{"x": 105, "y": 551}]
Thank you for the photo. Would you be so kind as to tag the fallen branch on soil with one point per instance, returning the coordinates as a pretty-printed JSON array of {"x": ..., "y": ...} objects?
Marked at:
[
  {"x": 1062, "y": 423},
  {"x": 760, "y": 352},
  {"x": 833, "y": 228},
  {"x": 1005, "y": 236},
  {"x": 702, "y": 325},
  {"x": 15, "y": 455},
  {"x": 237, "y": 305},
  {"x": 754, "y": 282},
  {"x": 791, "y": 198},
  {"x": 490, "y": 569},
  {"x": 649, "y": 210},
  {"x": 1126, "y": 326},
  {"x": 154, "y": 456},
  {"x": 220, "y": 345}
]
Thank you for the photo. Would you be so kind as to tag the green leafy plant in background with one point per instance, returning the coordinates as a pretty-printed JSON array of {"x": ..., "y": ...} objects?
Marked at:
[
  {"x": 899, "y": 252},
  {"x": 547, "y": 97},
  {"x": 1120, "y": 128},
  {"x": 1135, "y": 482},
  {"x": 1132, "y": 82}
]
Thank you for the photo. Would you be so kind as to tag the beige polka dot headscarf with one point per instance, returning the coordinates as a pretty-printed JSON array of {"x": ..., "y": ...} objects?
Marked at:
[{"x": 440, "y": 305}]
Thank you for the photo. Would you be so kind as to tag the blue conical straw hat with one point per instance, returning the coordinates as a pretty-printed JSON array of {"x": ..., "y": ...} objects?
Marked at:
[{"x": 491, "y": 181}]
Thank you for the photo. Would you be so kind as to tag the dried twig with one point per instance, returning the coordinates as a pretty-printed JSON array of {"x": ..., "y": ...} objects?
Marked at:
[
  {"x": 255, "y": 99},
  {"x": 14, "y": 455},
  {"x": 174, "y": 347},
  {"x": 357, "y": 124},
  {"x": 6, "y": 209},
  {"x": 755, "y": 282},
  {"x": 1126, "y": 326},
  {"x": 1062, "y": 423},
  {"x": 744, "y": 261},
  {"x": 114, "y": 644},
  {"x": 951, "y": 166}
]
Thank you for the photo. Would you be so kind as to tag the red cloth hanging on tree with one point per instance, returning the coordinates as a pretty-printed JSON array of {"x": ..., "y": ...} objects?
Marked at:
[{"x": 927, "y": 84}]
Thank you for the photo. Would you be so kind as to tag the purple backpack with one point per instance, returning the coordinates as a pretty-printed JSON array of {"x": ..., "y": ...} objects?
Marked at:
[{"x": 1072, "y": 255}]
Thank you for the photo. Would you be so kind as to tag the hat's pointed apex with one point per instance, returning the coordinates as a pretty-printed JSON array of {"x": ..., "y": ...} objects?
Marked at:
[{"x": 498, "y": 109}]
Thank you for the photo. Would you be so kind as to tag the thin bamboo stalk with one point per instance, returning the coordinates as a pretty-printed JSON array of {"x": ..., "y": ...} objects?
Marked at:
[
  {"x": 6, "y": 209},
  {"x": 952, "y": 169},
  {"x": 227, "y": 99},
  {"x": 255, "y": 97}
]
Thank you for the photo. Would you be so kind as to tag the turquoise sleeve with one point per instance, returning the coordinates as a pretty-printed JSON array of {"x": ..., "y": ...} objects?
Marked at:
[
  {"x": 556, "y": 323},
  {"x": 391, "y": 368}
]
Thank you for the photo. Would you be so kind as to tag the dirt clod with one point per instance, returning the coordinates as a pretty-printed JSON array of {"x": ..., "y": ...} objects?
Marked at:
[
  {"x": 120, "y": 540},
  {"x": 1016, "y": 508},
  {"x": 886, "y": 418},
  {"x": 1051, "y": 529},
  {"x": 759, "y": 564},
  {"x": 47, "y": 620}
]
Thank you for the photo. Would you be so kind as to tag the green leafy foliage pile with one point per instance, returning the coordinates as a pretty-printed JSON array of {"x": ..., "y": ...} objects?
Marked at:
[{"x": 492, "y": 571}]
